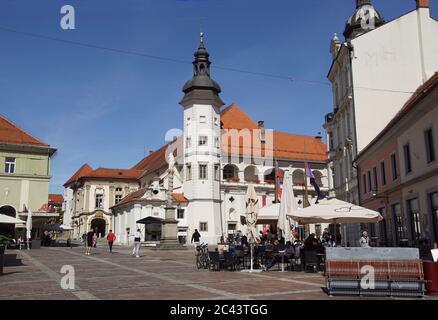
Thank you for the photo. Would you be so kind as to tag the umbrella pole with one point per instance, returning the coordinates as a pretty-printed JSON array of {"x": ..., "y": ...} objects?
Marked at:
[{"x": 252, "y": 258}]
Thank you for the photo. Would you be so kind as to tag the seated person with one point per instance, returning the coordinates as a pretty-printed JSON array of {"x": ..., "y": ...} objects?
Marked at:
[{"x": 289, "y": 252}]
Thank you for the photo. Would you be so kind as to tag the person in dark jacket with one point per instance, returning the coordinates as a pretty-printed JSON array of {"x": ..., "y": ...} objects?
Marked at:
[
  {"x": 196, "y": 238},
  {"x": 89, "y": 244}
]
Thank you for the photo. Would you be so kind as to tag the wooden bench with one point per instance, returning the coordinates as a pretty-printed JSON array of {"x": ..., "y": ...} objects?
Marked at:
[{"x": 403, "y": 278}]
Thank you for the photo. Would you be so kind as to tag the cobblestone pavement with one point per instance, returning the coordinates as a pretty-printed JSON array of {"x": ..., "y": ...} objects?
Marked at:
[{"x": 36, "y": 274}]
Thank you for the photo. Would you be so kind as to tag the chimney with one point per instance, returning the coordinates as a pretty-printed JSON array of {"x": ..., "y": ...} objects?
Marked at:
[{"x": 422, "y": 3}]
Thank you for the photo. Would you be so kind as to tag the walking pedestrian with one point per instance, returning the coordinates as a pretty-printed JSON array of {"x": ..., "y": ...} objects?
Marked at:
[
  {"x": 137, "y": 242},
  {"x": 196, "y": 238},
  {"x": 94, "y": 240},
  {"x": 111, "y": 237},
  {"x": 89, "y": 242},
  {"x": 84, "y": 239}
]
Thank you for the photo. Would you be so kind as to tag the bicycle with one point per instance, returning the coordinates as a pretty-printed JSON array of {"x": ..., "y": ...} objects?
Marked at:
[{"x": 202, "y": 259}]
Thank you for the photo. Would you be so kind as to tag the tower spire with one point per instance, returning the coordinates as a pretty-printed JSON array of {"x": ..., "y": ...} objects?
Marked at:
[
  {"x": 201, "y": 89},
  {"x": 360, "y": 3},
  {"x": 365, "y": 18},
  {"x": 201, "y": 44}
]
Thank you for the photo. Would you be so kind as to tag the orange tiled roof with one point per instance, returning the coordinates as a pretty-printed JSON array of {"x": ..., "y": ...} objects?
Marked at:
[
  {"x": 153, "y": 161},
  {"x": 285, "y": 145},
  {"x": 11, "y": 134},
  {"x": 131, "y": 197},
  {"x": 234, "y": 118},
  {"x": 56, "y": 198},
  {"x": 137, "y": 195},
  {"x": 179, "y": 197},
  {"x": 113, "y": 173},
  {"x": 85, "y": 169}
]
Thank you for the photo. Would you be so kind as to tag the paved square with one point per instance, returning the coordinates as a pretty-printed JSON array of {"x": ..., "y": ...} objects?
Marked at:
[{"x": 36, "y": 274}]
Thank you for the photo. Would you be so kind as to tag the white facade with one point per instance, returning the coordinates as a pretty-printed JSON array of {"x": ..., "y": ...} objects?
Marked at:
[
  {"x": 67, "y": 206},
  {"x": 90, "y": 200},
  {"x": 202, "y": 156},
  {"x": 373, "y": 75}
]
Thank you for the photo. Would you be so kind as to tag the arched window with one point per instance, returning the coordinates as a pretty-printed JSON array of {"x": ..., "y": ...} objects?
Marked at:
[
  {"x": 251, "y": 174},
  {"x": 298, "y": 178},
  {"x": 231, "y": 173}
]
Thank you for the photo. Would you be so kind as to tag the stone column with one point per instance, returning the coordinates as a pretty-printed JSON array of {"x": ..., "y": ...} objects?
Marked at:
[{"x": 169, "y": 228}]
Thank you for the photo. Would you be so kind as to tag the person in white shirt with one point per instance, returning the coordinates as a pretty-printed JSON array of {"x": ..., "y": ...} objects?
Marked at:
[
  {"x": 138, "y": 238},
  {"x": 365, "y": 240}
]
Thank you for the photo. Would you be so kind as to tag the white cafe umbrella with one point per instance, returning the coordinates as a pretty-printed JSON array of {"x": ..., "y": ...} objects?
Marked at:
[
  {"x": 335, "y": 211},
  {"x": 9, "y": 220},
  {"x": 287, "y": 205},
  {"x": 252, "y": 210},
  {"x": 65, "y": 227}
]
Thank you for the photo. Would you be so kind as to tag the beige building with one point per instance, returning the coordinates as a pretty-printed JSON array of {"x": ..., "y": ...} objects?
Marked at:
[{"x": 24, "y": 175}]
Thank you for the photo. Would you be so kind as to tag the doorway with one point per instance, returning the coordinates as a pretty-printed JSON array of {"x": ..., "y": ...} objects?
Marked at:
[{"x": 99, "y": 227}]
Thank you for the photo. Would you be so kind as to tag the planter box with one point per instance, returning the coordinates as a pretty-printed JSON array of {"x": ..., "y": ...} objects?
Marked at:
[{"x": 431, "y": 276}]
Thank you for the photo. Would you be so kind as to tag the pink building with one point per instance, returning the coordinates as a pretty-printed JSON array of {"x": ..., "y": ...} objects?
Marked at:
[{"x": 398, "y": 173}]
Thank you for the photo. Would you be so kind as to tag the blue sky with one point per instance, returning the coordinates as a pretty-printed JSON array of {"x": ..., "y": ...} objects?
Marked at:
[{"x": 107, "y": 108}]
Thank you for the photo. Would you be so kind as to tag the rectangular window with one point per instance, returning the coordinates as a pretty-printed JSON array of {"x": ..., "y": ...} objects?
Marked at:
[
  {"x": 216, "y": 121},
  {"x": 383, "y": 231},
  {"x": 430, "y": 146},
  {"x": 398, "y": 224},
  {"x": 216, "y": 172},
  {"x": 188, "y": 172},
  {"x": 203, "y": 226},
  {"x": 383, "y": 172},
  {"x": 10, "y": 165},
  {"x": 375, "y": 185},
  {"x": 118, "y": 198},
  {"x": 414, "y": 216},
  {"x": 203, "y": 119},
  {"x": 180, "y": 213},
  {"x": 188, "y": 142},
  {"x": 434, "y": 212},
  {"x": 394, "y": 167},
  {"x": 364, "y": 179},
  {"x": 407, "y": 154},
  {"x": 203, "y": 140},
  {"x": 369, "y": 181},
  {"x": 99, "y": 201},
  {"x": 216, "y": 142},
  {"x": 203, "y": 171}
]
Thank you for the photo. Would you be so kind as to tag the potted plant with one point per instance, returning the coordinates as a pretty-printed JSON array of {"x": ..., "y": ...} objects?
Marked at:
[{"x": 4, "y": 241}]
